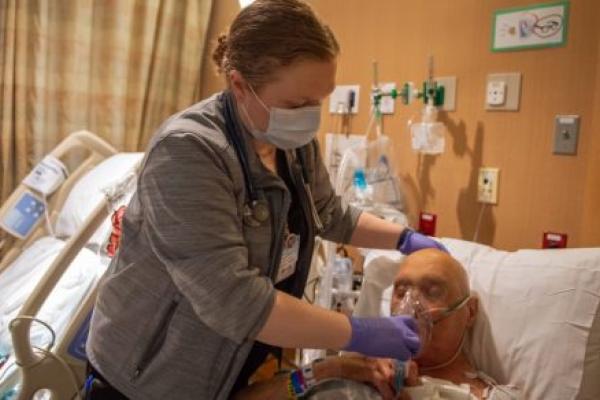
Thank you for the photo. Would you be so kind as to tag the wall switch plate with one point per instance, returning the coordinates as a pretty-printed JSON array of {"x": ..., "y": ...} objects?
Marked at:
[
  {"x": 511, "y": 82},
  {"x": 553, "y": 240},
  {"x": 449, "y": 84},
  {"x": 566, "y": 133},
  {"x": 344, "y": 99},
  {"x": 487, "y": 185},
  {"x": 427, "y": 223},
  {"x": 387, "y": 104}
]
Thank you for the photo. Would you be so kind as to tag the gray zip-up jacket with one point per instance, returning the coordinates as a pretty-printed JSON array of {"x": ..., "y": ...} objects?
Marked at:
[{"x": 189, "y": 290}]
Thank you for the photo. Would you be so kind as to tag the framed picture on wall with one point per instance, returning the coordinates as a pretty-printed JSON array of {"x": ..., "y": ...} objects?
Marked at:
[{"x": 535, "y": 26}]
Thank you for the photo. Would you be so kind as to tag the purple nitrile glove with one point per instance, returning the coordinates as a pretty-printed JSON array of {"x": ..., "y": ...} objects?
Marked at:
[
  {"x": 389, "y": 337},
  {"x": 411, "y": 241}
]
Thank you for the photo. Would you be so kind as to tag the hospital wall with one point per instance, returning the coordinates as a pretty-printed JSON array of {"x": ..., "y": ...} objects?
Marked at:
[
  {"x": 591, "y": 208},
  {"x": 538, "y": 191}
]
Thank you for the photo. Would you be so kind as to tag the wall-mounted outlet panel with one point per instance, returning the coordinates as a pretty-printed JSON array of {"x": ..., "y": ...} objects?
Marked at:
[
  {"x": 503, "y": 92},
  {"x": 487, "y": 185}
]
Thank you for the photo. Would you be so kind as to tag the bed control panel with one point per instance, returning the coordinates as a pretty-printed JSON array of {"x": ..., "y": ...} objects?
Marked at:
[{"x": 24, "y": 215}]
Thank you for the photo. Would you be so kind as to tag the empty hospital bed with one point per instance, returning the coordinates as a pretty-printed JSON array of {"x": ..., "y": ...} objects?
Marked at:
[{"x": 51, "y": 279}]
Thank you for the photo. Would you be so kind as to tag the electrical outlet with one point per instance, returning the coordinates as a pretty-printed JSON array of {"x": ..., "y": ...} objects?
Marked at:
[
  {"x": 503, "y": 92},
  {"x": 344, "y": 99},
  {"x": 496, "y": 93},
  {"x": 487, "y": 185}
]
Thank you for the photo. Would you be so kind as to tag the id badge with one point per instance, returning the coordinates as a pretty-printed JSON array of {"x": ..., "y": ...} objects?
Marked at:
[{"x": 289, "y": 257}]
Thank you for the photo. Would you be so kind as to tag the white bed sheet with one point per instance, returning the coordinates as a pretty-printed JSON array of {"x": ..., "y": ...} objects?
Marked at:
[{"x": 20, "y": 278}]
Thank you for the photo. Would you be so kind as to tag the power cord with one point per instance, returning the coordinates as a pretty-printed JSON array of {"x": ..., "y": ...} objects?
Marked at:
[
  {"x": 476, "y": 234},
  {"x": 7, "y": 367},
  {"x": 49, "y": 226}
]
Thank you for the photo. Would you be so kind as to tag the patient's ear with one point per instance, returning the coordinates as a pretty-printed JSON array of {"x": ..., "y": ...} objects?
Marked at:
[{"x": 473, "y": 309}]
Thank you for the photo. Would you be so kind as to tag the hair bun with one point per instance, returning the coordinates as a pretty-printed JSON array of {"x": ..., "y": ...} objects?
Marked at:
[{"x": 218, "y": 54}]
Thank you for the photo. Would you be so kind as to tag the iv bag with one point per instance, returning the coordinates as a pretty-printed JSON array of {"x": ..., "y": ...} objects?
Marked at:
[
  {"x": 372, "y": 158},
  {"x": 428, "y": 137}
]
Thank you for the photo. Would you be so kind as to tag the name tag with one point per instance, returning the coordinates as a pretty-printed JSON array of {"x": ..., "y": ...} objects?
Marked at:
[{"x": 289, "y": 257}]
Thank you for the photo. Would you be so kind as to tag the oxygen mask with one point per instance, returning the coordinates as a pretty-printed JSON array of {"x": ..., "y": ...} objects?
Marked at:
[{"x": 413, "y": 305}]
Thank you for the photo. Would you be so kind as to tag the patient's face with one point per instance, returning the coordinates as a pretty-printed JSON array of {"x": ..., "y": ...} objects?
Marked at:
[{"x": 440, "y": 282}]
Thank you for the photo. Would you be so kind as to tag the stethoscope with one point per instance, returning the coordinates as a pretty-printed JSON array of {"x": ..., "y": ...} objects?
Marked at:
[{"x": 256, "y": 208}]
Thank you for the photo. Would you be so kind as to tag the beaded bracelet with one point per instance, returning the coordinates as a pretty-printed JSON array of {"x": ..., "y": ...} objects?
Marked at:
[
  {"x": 291, "y": 392},
  {"x": 297, "y": 382},
  {"x": 300, "y": 380}
]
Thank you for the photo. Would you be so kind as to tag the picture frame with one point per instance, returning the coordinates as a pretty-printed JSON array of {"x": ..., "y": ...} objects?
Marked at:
[{"x": 530, "y": 27}]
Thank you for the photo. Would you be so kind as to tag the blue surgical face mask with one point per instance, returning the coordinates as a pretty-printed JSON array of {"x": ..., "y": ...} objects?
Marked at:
[{"x": 288, "y": 128}]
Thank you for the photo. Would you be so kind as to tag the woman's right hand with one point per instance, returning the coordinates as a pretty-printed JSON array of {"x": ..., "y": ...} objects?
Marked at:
[
  {"x": 378, "y": 372},
  {"x": 394, "y": 337}
]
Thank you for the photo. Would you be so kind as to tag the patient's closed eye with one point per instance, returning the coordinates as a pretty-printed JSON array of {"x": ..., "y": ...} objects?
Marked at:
[
  {"x": 430, "y": 290},
  {"x": 434, "y": 292}
]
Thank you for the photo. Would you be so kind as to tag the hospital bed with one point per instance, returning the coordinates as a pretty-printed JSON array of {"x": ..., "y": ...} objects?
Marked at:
[
  {"x": 539, "y": 321},
  {"x": 76, "y": 144},
  {"x": 48, "y": 283}
]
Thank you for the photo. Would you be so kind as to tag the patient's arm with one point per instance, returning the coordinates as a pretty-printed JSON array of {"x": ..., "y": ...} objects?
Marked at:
[{"x": 376, "y": 372}]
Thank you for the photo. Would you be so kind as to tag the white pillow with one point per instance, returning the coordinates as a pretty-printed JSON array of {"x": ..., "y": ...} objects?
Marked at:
[
  {"x": 380, "y": 269},
  {"x": 536, "y": 326},
  {"x": 88, "y": 193}
]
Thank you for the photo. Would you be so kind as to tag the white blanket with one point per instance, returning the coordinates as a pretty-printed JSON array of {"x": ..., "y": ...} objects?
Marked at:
[{"x": 19, "y": 280}]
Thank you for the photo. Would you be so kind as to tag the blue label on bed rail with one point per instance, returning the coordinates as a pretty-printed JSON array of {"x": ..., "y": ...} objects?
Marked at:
[
  {"x": 77, "y": 345},
  {"x": 24, "y": 215}
]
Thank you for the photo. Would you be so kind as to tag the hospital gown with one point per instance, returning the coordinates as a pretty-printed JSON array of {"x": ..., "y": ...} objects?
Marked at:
[{"x": 432, "y": 389}]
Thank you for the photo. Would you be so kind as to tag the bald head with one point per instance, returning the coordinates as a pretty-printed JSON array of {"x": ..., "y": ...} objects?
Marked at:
[
  {"x": 435, "y": 266},
  {"x": 442, "y": 283}
]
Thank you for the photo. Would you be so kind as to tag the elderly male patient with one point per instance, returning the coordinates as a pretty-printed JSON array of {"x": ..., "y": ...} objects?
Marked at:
[{"x": 433, "y": 287}]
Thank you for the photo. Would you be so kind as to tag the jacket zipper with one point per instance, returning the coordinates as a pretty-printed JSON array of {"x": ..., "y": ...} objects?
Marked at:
[{"x": 156, "y": 341}]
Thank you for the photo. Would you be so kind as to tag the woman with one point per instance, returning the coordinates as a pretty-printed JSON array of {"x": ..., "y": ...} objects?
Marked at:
[{"x": 203, "y": 287}]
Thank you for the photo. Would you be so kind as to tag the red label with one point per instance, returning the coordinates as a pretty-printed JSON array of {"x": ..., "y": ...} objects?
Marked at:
[
  {"x": 553, "y": 240},
  {"x": 427, "y": 223}
]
